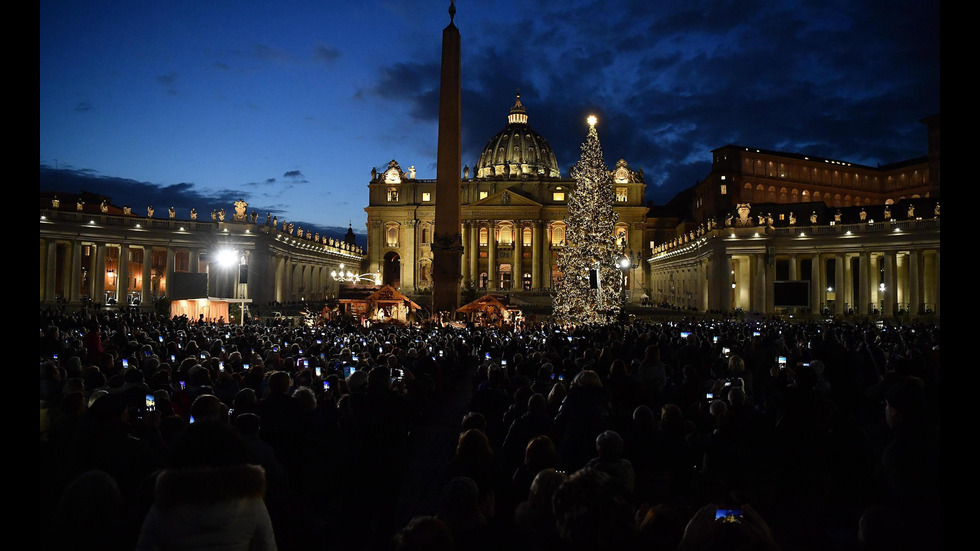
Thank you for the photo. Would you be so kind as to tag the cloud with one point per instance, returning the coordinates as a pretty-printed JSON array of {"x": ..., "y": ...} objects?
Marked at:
[
  {"x": 270, "y": 180},
  {"x": 82, "y": 107},
  {"x": 264, "y": 51},
  {"x": 221, "y": 66},
  {"x": 124, "y": 191},
  {"x": 325, "y": 53},
  {"x": 292, "y": 174},
  {"x": 167, "y": 81}
]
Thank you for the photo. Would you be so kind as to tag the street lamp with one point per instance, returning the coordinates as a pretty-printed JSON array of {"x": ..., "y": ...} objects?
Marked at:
[
  {"x": 228, "y": 259},
  {"x": 628, "y": 261},
  {"x": 350, "y": 277}
]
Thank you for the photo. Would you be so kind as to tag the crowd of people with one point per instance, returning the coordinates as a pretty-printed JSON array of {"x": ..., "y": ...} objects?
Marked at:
[{"x": 172, "y": 433}]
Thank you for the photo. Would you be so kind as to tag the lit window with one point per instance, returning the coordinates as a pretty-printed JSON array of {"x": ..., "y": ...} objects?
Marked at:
[
  {"x": 724, "y": 189},
  {"x": 483, "y": 194},
  {"x": 484, "y": 237},
  {"x": 392, "y": 236},
  {"x": 426, "y": 196},
  {"x": 723, "y": 177},
  {"x": 527, "y": 237},
  {"x": 504, "y": 236},
  {"x": 558, "y": 196},
  {"x": 558, "y": 236},
  {"x": 392, "y": 194},
  {"x": 621, "y": 195}
]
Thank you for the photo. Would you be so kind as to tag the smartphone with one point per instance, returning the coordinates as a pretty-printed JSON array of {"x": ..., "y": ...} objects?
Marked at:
[
  {"x": 221, "y": 367},
  {"x": 756, "y": 334},
  {"x": 729, "y": 515},
  {"x": 487, "y": 355},
  {"x": 354, "y": 358},
  {"x": 685, "y": 334},
  {"x": 202, "y": 355},
  {"x": 173, "y": 358},
  {"x": 440, "y": 353},
  {"x": 348, "y": 371},
  {"x": 183, "y": 385},
  {"x": 781, "y": 360},
  {"x": 125, "y": 363},
  {"x": 161, "y": 338},
  {"x": 319, "y": 372},
  {"x": 151, "y": 402},
  {"x": 714, "y": 340},
  {"x": 326, "y": 385},
  {"x": 246, "y": 366},
  {"x": 503, "y": 363},
  {"x": 561, "y": 377},
  {"x": 709, "y": 396},
  {"x": 725, "y": 351}
]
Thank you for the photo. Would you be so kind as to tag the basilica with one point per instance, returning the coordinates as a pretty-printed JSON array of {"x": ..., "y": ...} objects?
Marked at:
[{"x": 514, "y": 203}]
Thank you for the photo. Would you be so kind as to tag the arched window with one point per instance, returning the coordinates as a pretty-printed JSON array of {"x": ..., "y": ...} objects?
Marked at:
[
  {"x": 391, "y": 233},
  {"x": 484, "y": 237},
  {"x": 484, "y": 280},
  {"x": 558, "y": 235},
  {"x": 527, "y": 237},
  {"x": 505, "y": 235}
]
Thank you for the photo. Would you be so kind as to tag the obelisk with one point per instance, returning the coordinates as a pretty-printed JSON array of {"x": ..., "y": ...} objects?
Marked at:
[{"x": 447, "y": 249}]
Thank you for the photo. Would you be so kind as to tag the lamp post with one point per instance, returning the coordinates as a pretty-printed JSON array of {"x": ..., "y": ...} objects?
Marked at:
[
  {"x": 628, "y": 261},
  {"x": 351, "y": 277},
  {"x": 228, "y": 259}
]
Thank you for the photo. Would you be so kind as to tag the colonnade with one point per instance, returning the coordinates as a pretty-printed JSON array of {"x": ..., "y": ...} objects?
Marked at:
[
  {"x": 512, "y": 255},
  {"x": 132, "y": 265},
  {"x": 886, "y": 273}
]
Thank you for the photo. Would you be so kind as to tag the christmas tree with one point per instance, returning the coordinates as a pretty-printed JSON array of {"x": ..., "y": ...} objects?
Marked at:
[{"x": 589, "y": 291}]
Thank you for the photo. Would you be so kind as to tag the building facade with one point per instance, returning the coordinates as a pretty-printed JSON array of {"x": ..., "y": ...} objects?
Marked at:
[
  {"x": 513, "y": 208},
  {"x": 106, "y": 255},
  {"x": 865, "y": 240}
]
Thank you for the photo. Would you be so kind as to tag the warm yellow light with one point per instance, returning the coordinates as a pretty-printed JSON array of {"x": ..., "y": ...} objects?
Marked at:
[{"x": 592, "y": 120}]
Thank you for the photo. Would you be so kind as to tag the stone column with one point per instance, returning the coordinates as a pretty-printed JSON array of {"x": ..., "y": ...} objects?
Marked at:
[
  {"x": 171, "y": 268},
  {"x": 770, "y": 283},
  {"x": 492, "y": 256},
  {"x": 936, "y": 283},
  {"x": 915, "y": 282},
  {"x": 50, "y": 271},
  {"x": 816, "y": 283},
  {"x": 376, "y": 240},
  {"x": 721, "y": 276},
  {"x": 759, "y": 282},
  {"x": 474, "y": 256},
  {"x": 517, "y": 258},
  {"x": 98, "y": 273},
  {"x": 76, "y": 272},
  {"x": 122, "y": 275},
  {"x": 864, "y": 282},
  {"x": 147, "y": 288},
  {"x": 889, "y": 264},
  {"x": 536, "y": 248},
  {"x": 410, "y": 260},
  {"x": 194, "y": 261},
  {"x": 839, "y": 284},
  {"x": 794, "y": 268},
  {"x": 467, "y": 251}
]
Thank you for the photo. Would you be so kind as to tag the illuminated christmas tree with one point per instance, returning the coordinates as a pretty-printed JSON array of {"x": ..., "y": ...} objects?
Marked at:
[{"x": 589, "y": 291}]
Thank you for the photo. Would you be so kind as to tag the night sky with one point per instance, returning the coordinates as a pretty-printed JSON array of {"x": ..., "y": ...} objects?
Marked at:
[{"x": 290, "y": 104}]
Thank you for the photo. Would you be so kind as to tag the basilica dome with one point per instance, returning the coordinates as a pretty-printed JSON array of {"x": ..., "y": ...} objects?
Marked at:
[{"x": 517, "y": 151}]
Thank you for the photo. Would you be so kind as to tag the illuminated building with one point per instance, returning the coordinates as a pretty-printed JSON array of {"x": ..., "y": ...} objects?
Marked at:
[
  {"x": 513, "y": 209},
  {"x": 866, "y": 239},
  {"x": 103, "y": 254}
]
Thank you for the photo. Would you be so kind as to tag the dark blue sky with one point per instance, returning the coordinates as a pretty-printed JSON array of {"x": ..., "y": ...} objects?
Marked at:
[{"x": 289, "y": 104}]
